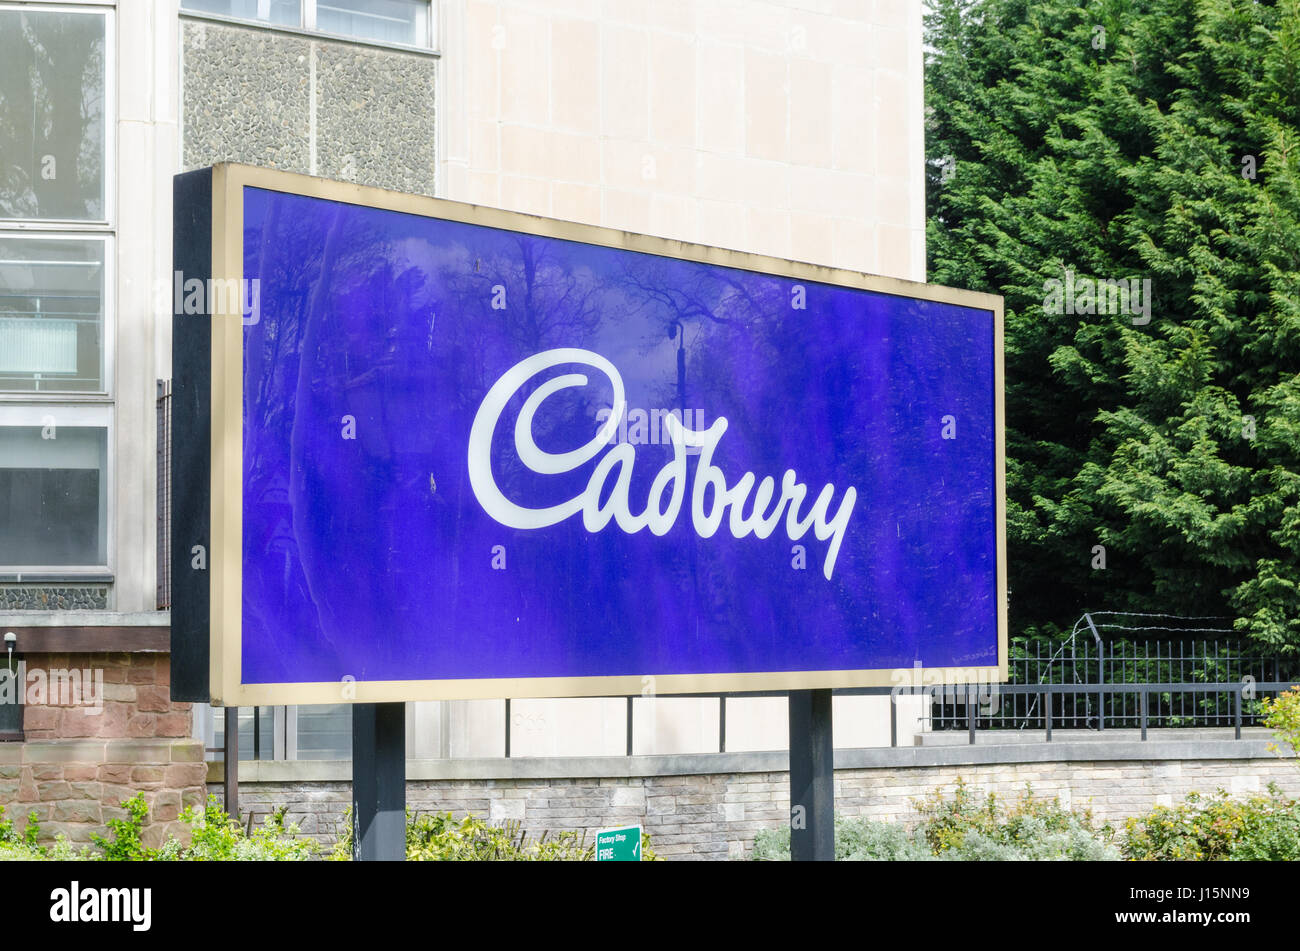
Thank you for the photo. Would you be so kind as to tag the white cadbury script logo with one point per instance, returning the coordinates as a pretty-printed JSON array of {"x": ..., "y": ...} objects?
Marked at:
[{"x": 658, "y": 517}]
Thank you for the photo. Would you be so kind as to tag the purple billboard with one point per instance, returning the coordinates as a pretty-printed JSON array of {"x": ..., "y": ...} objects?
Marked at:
[{"x": 488, "y": 455}]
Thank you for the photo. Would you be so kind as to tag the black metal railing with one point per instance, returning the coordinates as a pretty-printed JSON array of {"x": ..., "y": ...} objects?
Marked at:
[
  {"x": 979, "y": 705},
  {"x": 1126, "y": 648},
  {"x": 164, "y": 481},
  {"x": 1195, "y": 666},
  {"x": 1240, "y": 697}
]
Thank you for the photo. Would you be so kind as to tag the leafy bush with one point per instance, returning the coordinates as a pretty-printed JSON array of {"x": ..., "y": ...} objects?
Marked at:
[
  {"x": 218, "y": 838},
  {"x": 1209, "y": 828},
  {"x": 125, "y": 844},
  {"x": 1034, "y": 828},
  {"x": 438, "y": 837},
  {"x": 8, "y": 837},
  {"x": 963, "y": 828},
  {"x": 1282, "y": 715}
]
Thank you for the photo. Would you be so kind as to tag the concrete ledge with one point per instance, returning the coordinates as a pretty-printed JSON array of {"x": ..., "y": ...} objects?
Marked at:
[
  {"x": 102, "y": 750},
  {"x": 89, "y": 632},
  {"x": 11, "y": 619},
  {"x": 777, "y": 761}
]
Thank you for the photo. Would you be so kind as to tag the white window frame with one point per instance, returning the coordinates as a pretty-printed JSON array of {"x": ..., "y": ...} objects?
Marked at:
[
  {"x": 108, "y": 327},
  {"x": 306, "y": 26},
  {"x": 91, "y": 409},
  {"x": 72, "y": 415},
  {"x": 109, "y": 169}
]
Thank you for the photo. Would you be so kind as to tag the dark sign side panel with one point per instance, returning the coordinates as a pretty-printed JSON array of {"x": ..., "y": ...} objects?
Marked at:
[{"x": 191, "y": 434}]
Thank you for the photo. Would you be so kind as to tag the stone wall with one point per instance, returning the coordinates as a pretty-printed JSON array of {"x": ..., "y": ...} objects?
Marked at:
[
  {"x": 715, "y": 815},
  {"x": 335, "y": 109},
  {"x": 53, "y": 597},
  {"x": 84, "y": 753}
]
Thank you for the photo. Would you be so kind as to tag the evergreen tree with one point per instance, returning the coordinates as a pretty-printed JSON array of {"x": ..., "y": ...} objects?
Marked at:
[{"x": 1133, "y": 139}]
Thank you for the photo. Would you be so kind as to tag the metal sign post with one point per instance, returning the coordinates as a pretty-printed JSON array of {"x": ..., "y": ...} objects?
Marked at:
[
  {"x": 812, "y": 777},
  {"x": 230, "y": 764},
  {"x": 379, "y": 782}
]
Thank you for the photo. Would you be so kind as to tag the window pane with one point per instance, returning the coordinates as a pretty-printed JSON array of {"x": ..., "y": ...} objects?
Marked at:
[
  {"x": 256, "y": 733},
  {"x": 325, "y": 731},
  {"x": 11, "y": 698},
  {"x": 279, "y": 12},
  {"x": 51, "y": 314},
  {"x": 51, "y": 115},
  {"x": 388, "y": 21},
  {"x": 53, "y": 495}
]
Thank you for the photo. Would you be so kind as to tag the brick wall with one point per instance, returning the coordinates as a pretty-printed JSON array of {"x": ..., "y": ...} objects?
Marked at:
[
  {"x": 76, "y": 765},
  {"x": 715, "y": 816}
]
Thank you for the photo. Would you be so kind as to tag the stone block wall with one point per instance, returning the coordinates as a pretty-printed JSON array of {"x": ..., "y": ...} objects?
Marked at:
[
  {"x": 716, "y": 816},
  {"x": 82, "y": 755},
  {"x": 136, "y": 701}
]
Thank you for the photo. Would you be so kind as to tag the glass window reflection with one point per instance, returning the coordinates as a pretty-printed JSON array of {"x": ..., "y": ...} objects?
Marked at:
[{"x": 52, "y": 129}]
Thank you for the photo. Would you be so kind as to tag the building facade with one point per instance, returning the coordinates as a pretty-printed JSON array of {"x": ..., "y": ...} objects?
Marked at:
[{"x": 789, "y": 128}]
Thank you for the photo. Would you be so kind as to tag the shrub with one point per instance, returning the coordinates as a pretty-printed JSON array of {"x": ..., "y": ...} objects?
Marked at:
[
  {"x": 963, "y": 828},
  {"x": 9, "y": 838},
  {"x": 125, "y": 844},
  {"x": 438, "y": 837},
  {"x": 215, "y": 837},
  {"x": 1282, "y": 715},
  {"x": 1029, "y": 828},
  {"x": 25, "y": 848},
  {"x": 1209, "y": 828}
]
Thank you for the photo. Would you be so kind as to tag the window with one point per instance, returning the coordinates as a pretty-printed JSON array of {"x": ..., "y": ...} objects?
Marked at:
[
  {"x": 277, "y": 12},
  {"x": 258, "y": 728},
  {"x": 12, "y": 689},
  {"x": 401, "y": 22},
  {"x": 51, "y": 314},
  {"x": 53, "y": 123},
  {"x": 386, "y": 21},
  {"x": 56, "y": 244},
  {"x": 324, "y": 732},
  {"x": 53, "y": 488},
  {"x": 312, "y": 732}
]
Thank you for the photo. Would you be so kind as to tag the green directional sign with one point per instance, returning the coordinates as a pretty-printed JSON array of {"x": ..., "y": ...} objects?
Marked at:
[{"x": 619, "y": 845}]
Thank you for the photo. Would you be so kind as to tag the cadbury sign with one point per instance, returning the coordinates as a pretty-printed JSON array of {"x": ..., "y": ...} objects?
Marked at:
[{"x": 429, "y": 450}]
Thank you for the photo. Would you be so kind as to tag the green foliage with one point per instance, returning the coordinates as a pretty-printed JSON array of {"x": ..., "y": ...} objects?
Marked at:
[
  {"x": 856, "y": 840},
  {"x": 965, "y": 827},
  {"x": 968, "y": 826},
  {"x": 1211, "y": 828},
  {"x": 342, "y": 851},
  {"x": 218, "y": 838},
  {"x": 1281, "y": 714},
  {"x": 33, "y": 830},
  {"x": 438, "y": 837},
  {"x": 1175, "y": 443},
  {"x": 28, "y": 837},
  {"x": 23, "y": 846},
  {"x": 125, "y": 844}
]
